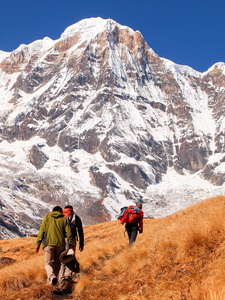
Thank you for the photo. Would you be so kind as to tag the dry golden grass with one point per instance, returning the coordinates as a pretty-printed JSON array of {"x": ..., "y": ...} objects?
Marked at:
[{"x": 179, "y": 257}]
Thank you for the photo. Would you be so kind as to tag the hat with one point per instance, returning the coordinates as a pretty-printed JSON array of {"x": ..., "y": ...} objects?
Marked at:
[
  {"x": 73, "y": 265},
  {"x": 139, "y": 204},
  {"x": 68, "y": 258}
]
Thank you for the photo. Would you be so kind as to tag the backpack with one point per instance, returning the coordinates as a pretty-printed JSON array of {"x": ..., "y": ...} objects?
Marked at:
[
  {"x": 72, "y": 218},
  {"x": 122, "y": 211},
  {"x": 130, "y": 214}
]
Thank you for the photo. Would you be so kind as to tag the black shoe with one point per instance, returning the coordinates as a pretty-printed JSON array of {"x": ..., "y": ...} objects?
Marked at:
[
  {"x": 53, "y": 281},
  {"x": 58, "y": 292},
  {"x": 67, "y": 286}
]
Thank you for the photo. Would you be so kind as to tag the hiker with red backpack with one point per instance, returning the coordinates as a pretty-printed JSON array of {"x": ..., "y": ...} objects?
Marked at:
[{"x": 133, "y": 217}]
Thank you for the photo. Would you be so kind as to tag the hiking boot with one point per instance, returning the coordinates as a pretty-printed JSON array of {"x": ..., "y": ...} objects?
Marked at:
[
  {"x": 53, "y": 281},
  {"x": 58, "y": 291},
  {"x": 67, "y": 286}
]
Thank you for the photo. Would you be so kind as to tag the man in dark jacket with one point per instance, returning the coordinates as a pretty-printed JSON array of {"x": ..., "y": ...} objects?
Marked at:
[
  {"x": 65, "y": 275},
  {"x": 54, "y": 229},
  {"x": 76, "y": 225}
]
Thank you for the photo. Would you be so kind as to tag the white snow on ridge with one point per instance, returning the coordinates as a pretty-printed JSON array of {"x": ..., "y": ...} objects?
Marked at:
[
  {"x": 179, "y": 69},
  {"x": 3, "y": 55},
  {"x": 37, "y": 46},
  {"x": 219, "y": 65},
  {"x": 197, "y": 100},
  {"x": 177, "y": 192},
  {"x": 17, "y": 154},
  {"x": 91, "y": 27},
  {"x": 86, "y": 28}
]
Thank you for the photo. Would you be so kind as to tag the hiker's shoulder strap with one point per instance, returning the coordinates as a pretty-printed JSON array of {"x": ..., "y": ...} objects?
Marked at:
[{"x": 72, "y": 218}]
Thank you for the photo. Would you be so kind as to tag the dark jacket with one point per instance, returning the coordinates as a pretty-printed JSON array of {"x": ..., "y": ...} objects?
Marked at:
[
  {"x": 75, "y": 227},
  {"x": 79, "y": 227},
  {"x": 54, "y": 228}
]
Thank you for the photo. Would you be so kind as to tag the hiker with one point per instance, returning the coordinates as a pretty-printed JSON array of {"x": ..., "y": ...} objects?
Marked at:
[
  {"x": 54, "y": 228},
  {"x": 68, "y": 266},
  {"x": 133, "y": 217}
]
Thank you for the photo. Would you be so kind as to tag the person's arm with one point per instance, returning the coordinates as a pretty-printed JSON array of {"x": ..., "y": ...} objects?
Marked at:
[
  {"x": 79, "y": 226},
  {"x": 141, "y": 222},
  {"x": 40, "y": 235},
  {"x": 37, "y": 249}
]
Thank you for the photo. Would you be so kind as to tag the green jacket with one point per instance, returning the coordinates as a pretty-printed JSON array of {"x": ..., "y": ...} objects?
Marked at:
[{"x": 54, "y": 228}]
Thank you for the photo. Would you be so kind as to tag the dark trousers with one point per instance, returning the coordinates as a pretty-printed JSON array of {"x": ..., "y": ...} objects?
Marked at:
[{"x": 132, "y": 230}]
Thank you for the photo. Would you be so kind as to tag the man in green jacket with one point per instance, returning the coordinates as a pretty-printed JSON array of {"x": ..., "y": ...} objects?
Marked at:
[{"x": 54, "y": 229}]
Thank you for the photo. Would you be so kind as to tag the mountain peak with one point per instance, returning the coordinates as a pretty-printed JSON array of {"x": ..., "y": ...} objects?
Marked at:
[
  {"x": 93, "y": 26},
  {"x": 218, "y": 65}
]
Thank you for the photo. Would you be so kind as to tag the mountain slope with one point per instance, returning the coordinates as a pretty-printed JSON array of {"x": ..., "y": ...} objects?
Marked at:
[
  {"x": 97, "y": 119},
  {"x": 177, "y": 257}
]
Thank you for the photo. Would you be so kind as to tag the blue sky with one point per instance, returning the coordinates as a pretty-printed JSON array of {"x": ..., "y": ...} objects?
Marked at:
[{"x": 187, "y": 32}]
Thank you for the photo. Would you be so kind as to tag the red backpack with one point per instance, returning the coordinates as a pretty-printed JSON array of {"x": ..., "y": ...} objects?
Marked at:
[{"x": 130, "y": 214}]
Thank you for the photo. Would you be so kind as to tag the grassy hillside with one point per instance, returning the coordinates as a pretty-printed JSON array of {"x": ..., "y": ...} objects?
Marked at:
[{"x": 178, "y": 257}]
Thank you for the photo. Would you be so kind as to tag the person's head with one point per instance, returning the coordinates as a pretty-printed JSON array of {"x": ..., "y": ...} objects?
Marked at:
[
  {"x": 139, "y": 204},
  {"x": 69, "y": 207},
  {"x": 57, "y": 208}
]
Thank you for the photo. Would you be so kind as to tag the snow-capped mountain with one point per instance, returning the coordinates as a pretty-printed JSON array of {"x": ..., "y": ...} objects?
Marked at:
[{"x": 98, "y": 120}]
